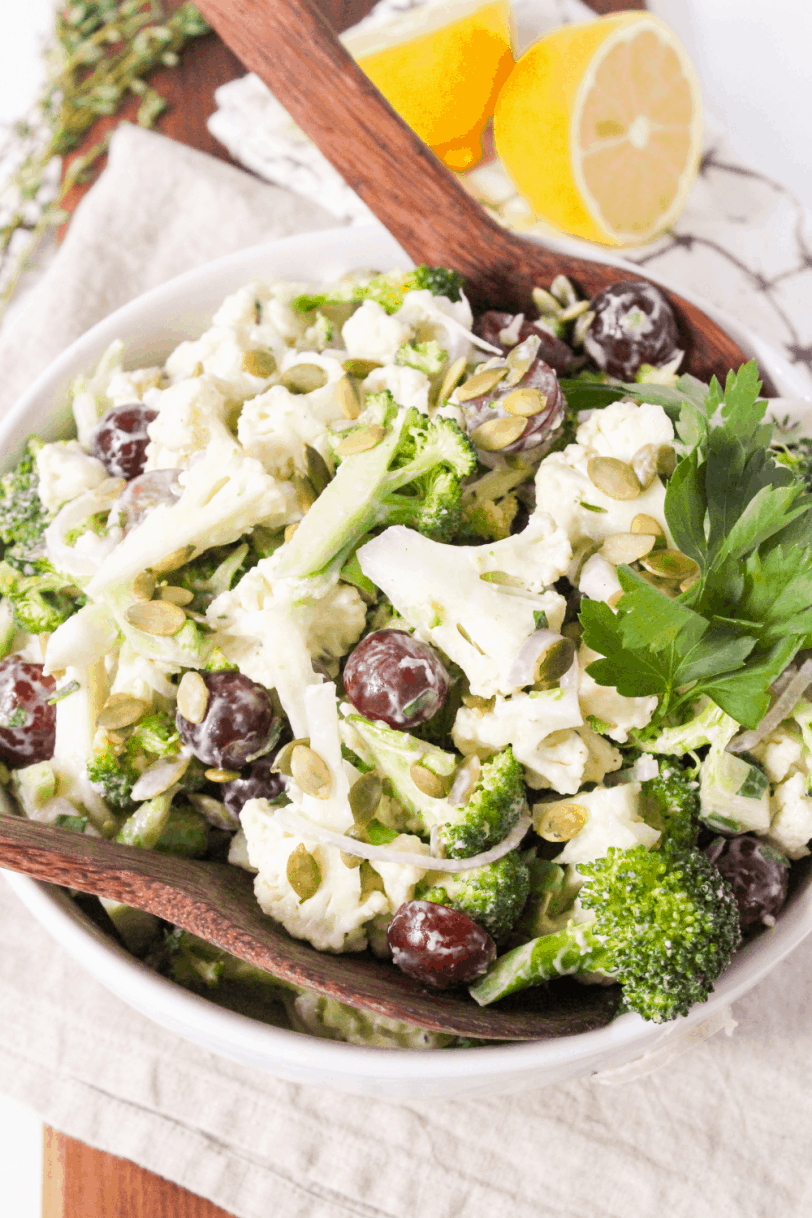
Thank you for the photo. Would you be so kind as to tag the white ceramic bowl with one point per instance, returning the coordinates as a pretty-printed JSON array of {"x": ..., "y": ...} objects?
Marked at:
[{"x": 151, "y": 326}]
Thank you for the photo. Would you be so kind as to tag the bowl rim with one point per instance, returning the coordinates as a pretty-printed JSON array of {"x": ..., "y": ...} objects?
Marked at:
[{"x": 200, "y": 1018}]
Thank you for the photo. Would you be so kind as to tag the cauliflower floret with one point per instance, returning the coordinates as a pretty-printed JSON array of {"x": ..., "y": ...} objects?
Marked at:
[
  {"x": 275, "y": 426},
  {"x": 372, "y": 333},
  {"x": 526, "y": 721},
  {"x": 563, "y": 485},
  {"x": 89, "y": 393},
  {"x": 782, "y": 754},
  {"x": 399, "y": 879},
  {"x": 408, "y": 386},
  {"x": 238, "y": 852},
  {"x": 537, "y": 556},
  {"x": 132, "y": 386},
  {"x": 439, "y": 591},
  {"x": 791, "y": 817},
  {"x": 616, "y": 713},
  {"x": 613, "y": 819},
  {"x": 142, "y": 677},
  {"x": 65, "y": 471},
  {"x": 599, "y": 579},
  {"x": 76, "y": 716},
  {"x": 274, "y": 632},
  {"x": 84, "y": 639},
  {"x": 333, "y": 919},
  {"x": 447, "y": 322},
  {"x": 191, "y": 415},
  {"x": 224, "y": 495}
]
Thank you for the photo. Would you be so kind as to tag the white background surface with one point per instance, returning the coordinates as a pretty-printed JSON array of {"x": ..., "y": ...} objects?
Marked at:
[{"x": 20, "y": 1161}]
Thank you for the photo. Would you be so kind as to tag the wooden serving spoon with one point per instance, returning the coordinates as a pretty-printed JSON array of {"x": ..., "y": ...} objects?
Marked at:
[
  {"x": 216, "y": 902},
  {"x": 291, "y": 47}
]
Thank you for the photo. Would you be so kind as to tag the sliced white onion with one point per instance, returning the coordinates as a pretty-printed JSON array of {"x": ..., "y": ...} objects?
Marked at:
[
  {"x": 522, "y": 670},
  {"x": 786, "y": 701},
  {"x": 292, "y": 822},
  {"x": 64, "y": 557}
]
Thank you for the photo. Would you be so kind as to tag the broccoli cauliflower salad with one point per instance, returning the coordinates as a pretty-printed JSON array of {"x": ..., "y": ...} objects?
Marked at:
[{"x": 479, "y": 641}]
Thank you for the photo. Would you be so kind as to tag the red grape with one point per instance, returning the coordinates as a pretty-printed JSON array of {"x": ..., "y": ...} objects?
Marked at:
[
  {"x": 394, "y": 677},
  {"x": 634, "y": 325},
  {"x": 120, "y": 440},
  {"x": 438, "y": 946},
  {"x": 146, "y": 492},
  {"x": 554, "y": 351},
  {"x": 539, "y": 426},
  {"x": 757, "y": 873},
  {"x": 238, "y": 725},
  {"x": 257, "y": 782},
  {"x": 28, "y": 720}
]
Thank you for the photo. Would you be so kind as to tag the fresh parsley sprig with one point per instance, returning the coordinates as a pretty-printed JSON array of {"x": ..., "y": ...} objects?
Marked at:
[{"x": 746, "y": 520}]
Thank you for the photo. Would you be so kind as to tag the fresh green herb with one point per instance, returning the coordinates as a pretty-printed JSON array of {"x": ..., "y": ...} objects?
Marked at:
[
  {"x": 64, "y": 691},
  {"x": 744, "y": 519},
  {"x": 17, "y": 718}
]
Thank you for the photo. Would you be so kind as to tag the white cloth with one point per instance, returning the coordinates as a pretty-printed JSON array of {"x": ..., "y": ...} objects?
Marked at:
[{"x": 720, "y": 1133}]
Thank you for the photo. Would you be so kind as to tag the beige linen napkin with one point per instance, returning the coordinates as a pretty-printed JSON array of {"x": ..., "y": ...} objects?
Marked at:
[{"x": 723, "y": 1131}]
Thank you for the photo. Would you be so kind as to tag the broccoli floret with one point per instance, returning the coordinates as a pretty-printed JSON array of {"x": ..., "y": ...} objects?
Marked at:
[
  {"x": 426, "y": 357},
  {"x": 388, "y": 290},
  {"x": 670, "y": 803},
  {"x": 185, "y": 834},
  {"x": 412, "y": 477},
  {"x": 797, "y": 457},
  {"x": 212, "y": 572},
  {"x": 492, "y": 896},
  {"x": 412, "y": 767},
  {"x": 665, "y": 925},
  {"x": 23, "y": 518},
  {"x": 39, "y": 602},
  {"x": 114, "y": 774},
  {"x": 489, "y": 505}
]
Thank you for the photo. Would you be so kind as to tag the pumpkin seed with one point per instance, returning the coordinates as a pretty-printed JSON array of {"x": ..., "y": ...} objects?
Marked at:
[
  {"x": 480, "y": 383},
  {"x": 520, "y": 359},
  {"x": 159, "y": 777},
  {"x": 462, "y": 631},
  {"x": 161, "y": 618},
  {"x": 350, "y": 860},
  {"x": 198, "y": 369},
  {"x": 524, "y": 402},
  {"x": 666, "y": 460},
  {"x": 143, "y": 586},
  {"x": 574, "y": 310},
  {"x": 579, "y": 330},
  {"x": 318, "y": 470},
  {"x": 620, "y": 548},
  {"x": 615, "y": 478},
  {"x": 120, "y": 710},
  {"x": 644, "y": 464},
  {"x": 429, "y": 783},
  {"x": 371, "y": 880},
  {"x": 452, "y": 378},
  {"x": 364, "y": 797},
  {"x": 465, "y": 780},
  {"x": 642, "y": 523},
  {"x": 290, "y": 530},
  {"x": 259, "y": 363},
  {"x": 360, "y": 440},
  {"x": 502, "y": 578},
  {"x": 546, "y": 304},
  {"x": 475, "y": 702},
  {"x": 311, "y": 772},
  {"x": 193, "y": 697},
  {"x": 215, "y": 812},
  {"x": 305, "y": 492},
  {"x": 666, "y": 586},
  {"x": 689, "y": 581},
  {"x": 215, "y": 774},
  {"x": 360, "y": 368},
  {"x": 178, "y": 558},
  {"x": 497, "y": 433},
  {"x": 110, "y": 489},
  {"x": 559, "y": 823},
  {"x": 282, "y": 760},
  {"x": 614, "y": 599},
  {"x": 553, "y": 663},
  {"x": 348, "y": 401},
  {"x": 561, "y": 289},
  {"x": 671, "y": 564},
  {"x": 304, "y": 378},
  {"x": 176, "y": 596},
  {"x": 303, "y": 872}
]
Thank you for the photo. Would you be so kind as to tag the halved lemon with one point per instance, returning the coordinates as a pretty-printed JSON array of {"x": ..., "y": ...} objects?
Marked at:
[
  {"x": 600, "y": 127},
  {"x": 441, "y": 66}
]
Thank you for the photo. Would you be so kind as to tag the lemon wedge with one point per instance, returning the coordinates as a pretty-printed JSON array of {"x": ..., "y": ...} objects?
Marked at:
[
  {"x": 441, "y": 66},
  {"x": 600, "y": 127}
]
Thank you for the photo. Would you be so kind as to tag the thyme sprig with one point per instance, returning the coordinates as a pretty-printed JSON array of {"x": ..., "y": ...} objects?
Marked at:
[{"x": 101, "y": 52}]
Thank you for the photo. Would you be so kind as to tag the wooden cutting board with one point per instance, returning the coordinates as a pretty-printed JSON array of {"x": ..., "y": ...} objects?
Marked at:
[{"x": 78, "y": 1181}]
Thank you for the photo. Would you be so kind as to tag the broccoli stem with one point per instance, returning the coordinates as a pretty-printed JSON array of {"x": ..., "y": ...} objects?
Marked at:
[
  {"x": 572, "y": 950},
  {"x": 148, "y": 821}
]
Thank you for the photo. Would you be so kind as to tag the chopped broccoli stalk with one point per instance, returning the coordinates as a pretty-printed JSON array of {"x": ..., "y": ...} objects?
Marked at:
[
  {"x": 388, "y": 290},
  {"x": 40, "y": 602},
  {"x": 665, "y": 924},
  {"x": 734, "y": 793},
  {"x": 497, "y": 802},
  {"x": 670, "y": 803},
  {"x": 492, "y": 896},
  {"x": 146, "y": 826},
  {"x": 201, "y": 966},
  {"x": 412, "y": 476},
  {"x": 426, "y": 357},
  {"x": 489, "y": 505},
  {"x": 33, "y": 786},
  {"x": 186, "y": 834},
  {"x": 23, "y": 518},
  {"x": 212, "y": 572},
  {"x": 114, "y": 774}
]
